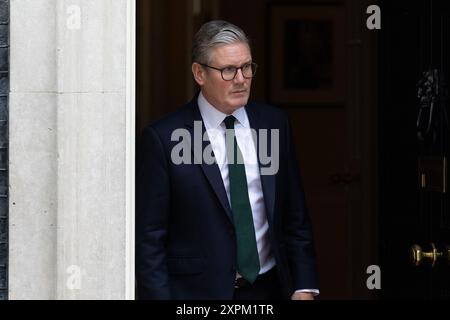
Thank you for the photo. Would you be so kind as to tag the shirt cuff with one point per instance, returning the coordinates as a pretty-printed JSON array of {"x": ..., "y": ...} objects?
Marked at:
[{"x": 315, "y": 292}]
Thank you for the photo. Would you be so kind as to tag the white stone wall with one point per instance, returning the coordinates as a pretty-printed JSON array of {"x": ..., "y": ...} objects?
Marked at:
[{"x": 71, "y": 114}]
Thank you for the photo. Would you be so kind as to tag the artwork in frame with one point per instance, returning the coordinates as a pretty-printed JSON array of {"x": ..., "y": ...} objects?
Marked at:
[{"x": 307, "y": 55}]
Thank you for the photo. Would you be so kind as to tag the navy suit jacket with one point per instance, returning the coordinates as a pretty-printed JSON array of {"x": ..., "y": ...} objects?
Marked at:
[{"x": 185, "y": 241}]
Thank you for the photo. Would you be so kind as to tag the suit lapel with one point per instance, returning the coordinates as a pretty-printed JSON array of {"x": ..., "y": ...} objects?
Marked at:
[
  {"x": 211, "y": 171},
  {"x": 267, "y": 181}
]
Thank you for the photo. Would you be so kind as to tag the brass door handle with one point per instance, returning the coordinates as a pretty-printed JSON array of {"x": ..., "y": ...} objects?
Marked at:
[{"x": 418, "y": 255}]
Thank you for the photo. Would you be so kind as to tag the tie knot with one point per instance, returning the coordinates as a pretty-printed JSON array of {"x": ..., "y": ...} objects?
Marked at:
[{"x": 229, "y": 122}]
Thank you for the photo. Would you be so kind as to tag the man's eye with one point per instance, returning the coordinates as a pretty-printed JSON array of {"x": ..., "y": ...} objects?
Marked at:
[{"x": 229, "y": 70}]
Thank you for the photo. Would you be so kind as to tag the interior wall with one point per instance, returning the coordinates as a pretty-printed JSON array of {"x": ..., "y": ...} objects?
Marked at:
[{"x": 163, "y": 76}]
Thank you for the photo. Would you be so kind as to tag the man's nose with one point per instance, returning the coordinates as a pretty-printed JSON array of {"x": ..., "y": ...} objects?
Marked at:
[{"x": 239, "y": 78}]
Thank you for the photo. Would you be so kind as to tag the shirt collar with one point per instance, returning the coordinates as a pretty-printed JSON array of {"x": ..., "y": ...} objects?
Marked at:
[{"x": 213, "y": 118}]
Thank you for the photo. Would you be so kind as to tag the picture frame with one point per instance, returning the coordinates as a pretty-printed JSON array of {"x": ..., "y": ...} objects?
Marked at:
[{"x": 307, "y": 55}]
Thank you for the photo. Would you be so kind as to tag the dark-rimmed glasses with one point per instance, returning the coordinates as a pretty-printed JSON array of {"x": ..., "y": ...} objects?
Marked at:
[{"x": 230, "y": 72}]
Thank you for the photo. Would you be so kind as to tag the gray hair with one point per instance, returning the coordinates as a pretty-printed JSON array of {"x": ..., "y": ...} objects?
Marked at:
[{"x": 212, "y": 34}]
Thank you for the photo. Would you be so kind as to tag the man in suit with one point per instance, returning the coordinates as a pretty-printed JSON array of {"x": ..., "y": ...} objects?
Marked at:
[{"x": 236, "y": 227}]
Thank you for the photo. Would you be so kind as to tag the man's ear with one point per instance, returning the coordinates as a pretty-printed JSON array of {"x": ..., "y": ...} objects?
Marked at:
[{"x": 199, "y": 73}]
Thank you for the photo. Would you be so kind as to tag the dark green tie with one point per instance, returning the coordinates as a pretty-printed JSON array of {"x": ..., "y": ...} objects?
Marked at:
[{"x": 247, "y": 251}]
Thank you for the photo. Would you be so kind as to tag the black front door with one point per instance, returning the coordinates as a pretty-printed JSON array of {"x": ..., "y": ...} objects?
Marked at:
[{"x": 413, "y": 131}]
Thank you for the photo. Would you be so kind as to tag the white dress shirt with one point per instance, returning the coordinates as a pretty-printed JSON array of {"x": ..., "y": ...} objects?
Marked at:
[{"x": 215, "y": 128}]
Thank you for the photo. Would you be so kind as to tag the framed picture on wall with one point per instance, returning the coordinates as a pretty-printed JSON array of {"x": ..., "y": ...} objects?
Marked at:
[{"x": 307, "y": 55}]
